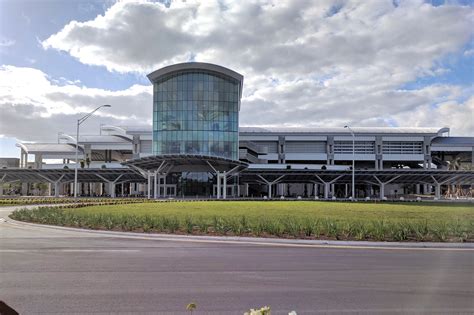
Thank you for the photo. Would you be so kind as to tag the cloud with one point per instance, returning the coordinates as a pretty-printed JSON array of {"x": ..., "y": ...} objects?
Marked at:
[
  {"x": 268, "y": 36},
  {"x": 469, "y": 53},
  {"x": 451, "y": 113},
  {"x": 308, "y": 104},
  {"x": 35, "y": 107},
  {"x": 306, "y": 63},
  {"x": 30, "y": 60},
  {"x": 6, "y": 42},
  {"x": 325, "y": 62}
]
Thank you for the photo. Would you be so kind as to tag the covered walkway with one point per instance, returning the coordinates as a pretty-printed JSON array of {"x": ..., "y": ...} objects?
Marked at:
[
  {"x": 58, "y": 179},
  {"x": 151, "y": 172},
  {"x": 157, "y": 167},
  {"x": 378, "y": 178}
]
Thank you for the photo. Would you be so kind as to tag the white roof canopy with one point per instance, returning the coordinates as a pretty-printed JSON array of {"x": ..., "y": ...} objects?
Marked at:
[{"x": 48, "y": 148}]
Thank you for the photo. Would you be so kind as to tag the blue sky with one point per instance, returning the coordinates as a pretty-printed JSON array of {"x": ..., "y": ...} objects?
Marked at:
[
  {"x": 29, "y": 22},
  {"x": 410, "y": 63}
]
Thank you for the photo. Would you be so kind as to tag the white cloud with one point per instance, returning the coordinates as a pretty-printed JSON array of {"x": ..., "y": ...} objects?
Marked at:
[
  {"x": 306, "y": 63},
  {"x": 309, "y": 104},
  {"x": 35, "y": 107},
  {"x": 268, "y": 36},
  {"x": 30, "y": 60},
  {"x": 6, "y": 42},
  {"x": 469, "y": 53},
  {"x": 451, "y": 113}
]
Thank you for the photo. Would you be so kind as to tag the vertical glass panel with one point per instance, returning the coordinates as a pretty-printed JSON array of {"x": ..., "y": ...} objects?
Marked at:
[{"x": 196, "y": 113}]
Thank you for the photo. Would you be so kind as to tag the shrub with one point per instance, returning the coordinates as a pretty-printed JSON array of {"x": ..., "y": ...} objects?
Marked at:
[
  {"x": 188, "y": 223},
  {"x": 380, "y": 230}
]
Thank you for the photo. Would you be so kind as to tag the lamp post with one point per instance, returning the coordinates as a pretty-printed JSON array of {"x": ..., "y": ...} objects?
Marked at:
[
  {"x": 353, "y": 161},
  {"x": 79, "y": 122}
]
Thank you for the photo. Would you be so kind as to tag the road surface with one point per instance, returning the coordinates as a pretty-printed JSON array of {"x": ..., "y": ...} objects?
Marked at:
[{"x": 53, "y": 271}]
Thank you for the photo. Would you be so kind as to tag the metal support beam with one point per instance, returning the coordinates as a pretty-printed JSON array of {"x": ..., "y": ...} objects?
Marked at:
[
  {"x": 224, "y": 179},
  {"x": 54, "y": 182},
  {"x": 1, "y": 184},
  {"x": 238, "y": 186},
  {"x": 164, "y": 185},
  {"x": 438, "y": 191},
  {"x": 212, "y": 167},
  {"x": 155, "y": 185},
  {"x": 218, "y": 195},
  {"x": 111, "y": 184},
  {"x": 438, "y": 185},
  {"x": 158, "y": 184},
  {"x": 316, "y": 192},
  {"x": 382, "y": 184},
  {"x": 270, "y": 183},
  {"x": 148, "y": 187},
  {"x": 327, "y": 184},
  {"x": 112, "y": 189}
]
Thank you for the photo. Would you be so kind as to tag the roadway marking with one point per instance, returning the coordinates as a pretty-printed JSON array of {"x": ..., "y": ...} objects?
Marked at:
[
  {"x": 263, "y": 243},
  {"x": 70, "y": 250},
  {"x": 92, "y": 233}
]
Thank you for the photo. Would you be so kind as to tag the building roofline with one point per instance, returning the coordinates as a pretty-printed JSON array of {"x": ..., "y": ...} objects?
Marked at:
[
  {"x": 342, "y": 131},
  {"x": 118, "y": 129},
  {"x": 35, "y": 147},
  {"x": 195, "y": 66}
]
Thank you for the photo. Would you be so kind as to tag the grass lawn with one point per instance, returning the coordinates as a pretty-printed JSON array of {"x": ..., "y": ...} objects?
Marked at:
[
  {"x": 296, "y": 209},
  {"x": 295, "y": 219}
]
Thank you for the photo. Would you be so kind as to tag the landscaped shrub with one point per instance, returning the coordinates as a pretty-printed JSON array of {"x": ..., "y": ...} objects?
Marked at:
[
  {"x": 62, "y": 200},
  {"x": 282, "y": 226}
]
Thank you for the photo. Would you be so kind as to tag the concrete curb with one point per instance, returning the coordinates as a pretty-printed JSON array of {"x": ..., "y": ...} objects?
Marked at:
[{"x": 256, "y": 240}]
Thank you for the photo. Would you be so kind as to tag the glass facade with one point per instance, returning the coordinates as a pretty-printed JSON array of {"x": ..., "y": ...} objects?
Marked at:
[{"x": 196, "y": 112}]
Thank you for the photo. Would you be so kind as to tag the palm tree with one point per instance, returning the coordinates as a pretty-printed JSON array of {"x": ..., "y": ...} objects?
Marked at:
[
  {"x": 88, "y": 161},
  {"x": 455, "y": 165}
]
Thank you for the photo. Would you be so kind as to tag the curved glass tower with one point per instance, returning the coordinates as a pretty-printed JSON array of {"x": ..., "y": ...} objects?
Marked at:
[{"x": 196, "y": 110}]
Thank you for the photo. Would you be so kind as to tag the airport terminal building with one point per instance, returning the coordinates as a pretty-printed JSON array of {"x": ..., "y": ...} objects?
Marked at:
[{"x": 196, "y": 148}]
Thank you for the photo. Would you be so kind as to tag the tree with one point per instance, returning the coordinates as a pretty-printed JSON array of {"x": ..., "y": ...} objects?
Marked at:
[{"x": 88, "y": 161}]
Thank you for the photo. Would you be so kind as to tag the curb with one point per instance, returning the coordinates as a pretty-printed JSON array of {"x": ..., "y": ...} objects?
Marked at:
[{"x": 257, "y": 240}]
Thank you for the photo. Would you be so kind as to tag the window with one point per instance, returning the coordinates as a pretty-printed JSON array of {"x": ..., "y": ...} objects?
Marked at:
[
  {"x": 398, "y": 147},
  {"x": 361, "y": 147},
  {"x": 198, "y": 110}
]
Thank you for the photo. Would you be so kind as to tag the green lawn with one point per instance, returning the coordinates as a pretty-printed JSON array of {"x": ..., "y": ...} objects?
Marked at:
[
  {"x": 296, "y": 209},
  {"x": 295, "y": 219}
]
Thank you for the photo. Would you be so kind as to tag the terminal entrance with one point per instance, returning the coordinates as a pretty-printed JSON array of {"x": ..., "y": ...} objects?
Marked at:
[{"x": 231, "y": 190}]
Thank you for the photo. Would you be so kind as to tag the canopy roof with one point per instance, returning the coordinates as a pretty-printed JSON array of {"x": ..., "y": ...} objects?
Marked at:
[
  {"x": 453, "y": 141},
  {"x": 49, "y": 148},
  {"x": 67, "y": 175},
  {"x": 393, "y": 176},
  {"x": 342, "y": 130},
  {"x": 324, "y": 130},
  {"x": 171, "y": 163}
]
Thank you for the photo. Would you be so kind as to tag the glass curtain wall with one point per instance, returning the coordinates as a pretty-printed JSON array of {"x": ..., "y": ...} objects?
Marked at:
[{"x": 196, "y": 113}]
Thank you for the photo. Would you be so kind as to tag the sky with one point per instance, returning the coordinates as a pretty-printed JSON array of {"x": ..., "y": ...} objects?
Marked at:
[{"x": 306, "y": 63}]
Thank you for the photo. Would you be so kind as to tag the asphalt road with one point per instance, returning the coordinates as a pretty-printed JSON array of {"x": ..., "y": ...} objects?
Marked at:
[{"x": 53, "y": 271}]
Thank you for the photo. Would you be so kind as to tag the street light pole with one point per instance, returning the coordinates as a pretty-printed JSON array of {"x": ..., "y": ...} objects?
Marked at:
[
  {"x": 353, "y": 161},
  {"x": 79, "y": 122}
]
